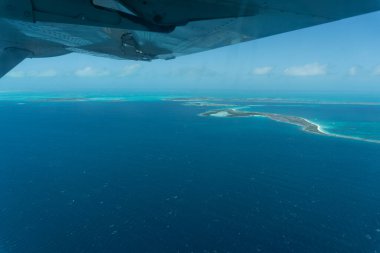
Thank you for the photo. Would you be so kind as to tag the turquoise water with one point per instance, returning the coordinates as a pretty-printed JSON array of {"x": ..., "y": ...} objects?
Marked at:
[
  {"x": 345, "y": 119},
  {"x": 153, "y": 176},
  {"x": 352, "y": 115}
]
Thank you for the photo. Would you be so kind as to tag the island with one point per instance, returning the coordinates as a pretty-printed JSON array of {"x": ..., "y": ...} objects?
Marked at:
[
  {"x": 62, "y": 99},
  {"x": 306, "y": 125},
  {"x": 265, "y": 100},
  {"x": 207, "y": 104},
  {"x": 79, "y": 99},
  {"x": 189, "y": 99}
]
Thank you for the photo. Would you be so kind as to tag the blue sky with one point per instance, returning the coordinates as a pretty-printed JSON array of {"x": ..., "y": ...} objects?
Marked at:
[{"x": 342, "y": 55}]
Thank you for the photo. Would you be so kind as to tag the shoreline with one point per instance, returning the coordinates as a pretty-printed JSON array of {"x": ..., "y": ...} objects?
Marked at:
[
  {"x": 305, "y": 124},
  {"x": 223, "y": 110}
]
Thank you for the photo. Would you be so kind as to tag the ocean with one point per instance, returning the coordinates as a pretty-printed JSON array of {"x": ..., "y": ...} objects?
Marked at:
[{"x": 146, "y": 175}]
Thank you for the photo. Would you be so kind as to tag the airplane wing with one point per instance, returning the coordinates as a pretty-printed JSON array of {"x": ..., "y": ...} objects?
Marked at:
[
  {"x": 10, "y": 57},
  {"x": 154, "y": 29}
]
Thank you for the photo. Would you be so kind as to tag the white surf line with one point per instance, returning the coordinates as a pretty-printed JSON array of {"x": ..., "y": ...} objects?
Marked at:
[
  {"x": 352, "y": 137},
  {"x": 320, "y": 128},
  {"x": 221, "y": 114},
  {"x": 239, "y": 108},
  {"x": 323, "y": 131},
  {"x": 225, "y": 114}
]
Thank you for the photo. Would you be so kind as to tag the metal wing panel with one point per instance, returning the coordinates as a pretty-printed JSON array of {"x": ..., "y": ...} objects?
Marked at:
[
  {"x": 82, "y": 26},
  {"x": 177, "y": 12},
  {"x": 332, "y": 10},
  {"x": 272, "y": 17},
  {"x": 10, "y": 57}
]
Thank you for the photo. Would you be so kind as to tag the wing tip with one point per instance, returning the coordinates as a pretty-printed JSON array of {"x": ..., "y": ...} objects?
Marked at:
[{"x": 10, "y": 57}]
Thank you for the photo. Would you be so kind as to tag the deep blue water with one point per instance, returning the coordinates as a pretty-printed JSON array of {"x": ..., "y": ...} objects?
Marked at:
[{"x": 155, "y": 177}]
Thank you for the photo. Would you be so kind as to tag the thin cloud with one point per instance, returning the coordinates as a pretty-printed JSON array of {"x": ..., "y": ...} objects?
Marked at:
[
  {"x": 43, "y": 73},
  {"x": 129, "y": 69},
  {"x": 376, "y": 71},
  {"x": 353, "y": 71},
  {"x": 313, "y": 69},
  {"x": 16, "y": 74},
  {"x": 91, "y": 72},
  {"x": 33, "y": 73},
  {"x": 262, "y": 70}
]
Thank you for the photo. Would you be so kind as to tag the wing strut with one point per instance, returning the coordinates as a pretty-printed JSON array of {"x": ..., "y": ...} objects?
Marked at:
[{"x": 10, "y": 57}]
